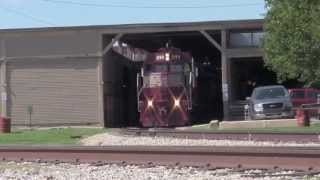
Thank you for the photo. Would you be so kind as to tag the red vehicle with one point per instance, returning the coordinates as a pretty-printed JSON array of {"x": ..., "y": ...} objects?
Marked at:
[
  {"x": 165, "y": 88},
  {"x": 301, "y": 96}
]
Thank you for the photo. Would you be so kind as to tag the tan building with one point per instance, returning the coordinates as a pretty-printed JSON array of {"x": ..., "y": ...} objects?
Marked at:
[{"x": 72, "y": 75}]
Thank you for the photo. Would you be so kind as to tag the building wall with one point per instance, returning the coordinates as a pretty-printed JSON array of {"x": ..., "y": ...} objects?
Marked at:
[
  {"x": 55, "y": 74},
  {"x": 53, "y": 43},
  {"x": 2, "y": 85},
  {"x": 59, "y": 91},
  {"x": 1, "y": 47}
]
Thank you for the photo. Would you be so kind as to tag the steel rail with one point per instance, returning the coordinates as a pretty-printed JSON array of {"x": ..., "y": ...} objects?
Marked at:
[
  {"x": 251, "y": 136},
  {"x": 295, "y": 158}
]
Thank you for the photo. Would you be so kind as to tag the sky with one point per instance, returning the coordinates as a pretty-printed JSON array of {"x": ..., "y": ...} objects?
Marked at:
[{"x": 57, "y": 13}]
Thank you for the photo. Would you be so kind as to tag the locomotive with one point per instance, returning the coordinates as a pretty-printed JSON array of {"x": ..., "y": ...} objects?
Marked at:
[{"x": 165, "y": 88}]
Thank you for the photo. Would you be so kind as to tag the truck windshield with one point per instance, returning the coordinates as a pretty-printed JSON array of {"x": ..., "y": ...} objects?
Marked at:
[
  {"x": 270, "y": 93},
  {"x": 297, "y": 94}
]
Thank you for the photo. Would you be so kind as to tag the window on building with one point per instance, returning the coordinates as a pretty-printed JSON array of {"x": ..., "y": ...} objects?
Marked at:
[{"x": 246, "y": 39}]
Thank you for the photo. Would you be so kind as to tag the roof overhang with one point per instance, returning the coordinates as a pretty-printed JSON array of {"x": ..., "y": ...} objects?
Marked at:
[{"x": 150, "y": 27}]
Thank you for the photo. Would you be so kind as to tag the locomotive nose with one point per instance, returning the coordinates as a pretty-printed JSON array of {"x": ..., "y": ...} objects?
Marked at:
[{"x": 163, "y": 111}]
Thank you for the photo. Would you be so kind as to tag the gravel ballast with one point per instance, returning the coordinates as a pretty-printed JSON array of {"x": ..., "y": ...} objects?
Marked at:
[
  {"x": 112, "y": 139},
  {"x": 29, "y": 170}
]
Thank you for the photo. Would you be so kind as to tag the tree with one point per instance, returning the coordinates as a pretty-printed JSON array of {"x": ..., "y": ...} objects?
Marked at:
[{"x": 292, "y": 39}]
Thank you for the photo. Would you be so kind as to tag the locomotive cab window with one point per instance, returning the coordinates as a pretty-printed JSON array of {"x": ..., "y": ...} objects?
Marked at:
[
  {"x": 157, "y": 68},
  {"x": 176, "y": 68}
]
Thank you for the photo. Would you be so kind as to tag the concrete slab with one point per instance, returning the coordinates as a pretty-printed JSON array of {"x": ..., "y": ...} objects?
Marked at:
[
  {"x": 257, "y": 124},
  {"x": 281, "y": 123},
  {"x": 214, "y": 124},
  {"x": 19, "y": 128}
]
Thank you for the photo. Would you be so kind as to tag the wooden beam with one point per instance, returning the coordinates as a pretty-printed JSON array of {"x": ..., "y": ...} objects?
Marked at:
[
  {"x": 50, "y": 57},
  {"x": 212, "y": 41},
  {"x": 109, "y": 46}
]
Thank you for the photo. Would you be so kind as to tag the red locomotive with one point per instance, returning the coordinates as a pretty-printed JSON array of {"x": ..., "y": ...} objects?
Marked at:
[{"x": 165, "y": 88}]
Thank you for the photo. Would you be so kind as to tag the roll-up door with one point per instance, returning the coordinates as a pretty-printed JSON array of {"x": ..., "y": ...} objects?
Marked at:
[{"x": 60, "y": 91}]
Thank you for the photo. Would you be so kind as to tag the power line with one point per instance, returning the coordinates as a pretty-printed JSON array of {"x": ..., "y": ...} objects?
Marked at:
[
  {"x": 27, "y": 16},
  {"x": 148, "y": 7}
]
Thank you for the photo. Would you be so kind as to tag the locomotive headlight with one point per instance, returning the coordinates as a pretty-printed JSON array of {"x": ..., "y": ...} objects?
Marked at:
[
  {"x": 167, "y": 57},
  {"x": 150, "y": 103},
  {"x": 160, "y": 57},
  {"x": 176, "y": 102}
]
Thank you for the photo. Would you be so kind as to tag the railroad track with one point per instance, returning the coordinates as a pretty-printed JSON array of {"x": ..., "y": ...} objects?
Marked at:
[
  {"x": 293, "y": 158},
  {"x": 251, "y": 136}
]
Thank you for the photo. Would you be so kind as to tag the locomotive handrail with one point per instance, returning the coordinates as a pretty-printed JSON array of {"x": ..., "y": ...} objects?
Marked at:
[
  {"x": 138, "y": 90},
  {"x": 190, "y": 85},
  {"x": 193, "y": 71}
]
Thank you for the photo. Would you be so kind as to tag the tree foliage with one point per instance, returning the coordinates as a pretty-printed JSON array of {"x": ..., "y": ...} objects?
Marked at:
[{"x": 292, "y": 39}]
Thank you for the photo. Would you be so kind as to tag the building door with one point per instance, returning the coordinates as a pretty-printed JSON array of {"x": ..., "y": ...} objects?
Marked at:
[{"x": 125, "y": 92}]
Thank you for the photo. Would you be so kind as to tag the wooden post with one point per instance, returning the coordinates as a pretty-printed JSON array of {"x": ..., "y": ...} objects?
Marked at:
[
  {"x": 3, "y": 81},
  {"x": 100, "y": 82},
  {"x": 225, "y": 70},
  {"x": 101, "y": 78}
]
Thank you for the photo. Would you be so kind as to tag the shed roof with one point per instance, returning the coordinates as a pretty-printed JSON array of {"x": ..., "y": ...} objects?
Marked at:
[{"x": 150, "y": 27}]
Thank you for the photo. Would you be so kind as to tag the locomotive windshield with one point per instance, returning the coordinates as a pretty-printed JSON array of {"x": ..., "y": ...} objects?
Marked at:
[
  {"x": 176, "y": 68},
  {"x": 158, "y": 80},
  {"x": 156, "y": 68},
  {"x": 167, "y": 68},
  {"x": 165, "y": 75}
]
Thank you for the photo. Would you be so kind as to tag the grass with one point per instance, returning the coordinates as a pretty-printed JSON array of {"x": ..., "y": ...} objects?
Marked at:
[
  {"x": 50, "y": 136},
  {"x": 313, "y": 128}
]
